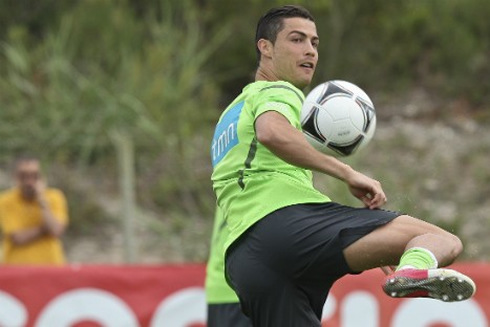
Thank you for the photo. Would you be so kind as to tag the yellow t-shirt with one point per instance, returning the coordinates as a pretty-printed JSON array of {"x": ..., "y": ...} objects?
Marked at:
[{"x": 18, "y": 214}]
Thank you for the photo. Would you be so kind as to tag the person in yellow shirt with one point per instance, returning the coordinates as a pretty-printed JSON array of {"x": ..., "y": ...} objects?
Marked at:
[{"x": 32, "y": 218}]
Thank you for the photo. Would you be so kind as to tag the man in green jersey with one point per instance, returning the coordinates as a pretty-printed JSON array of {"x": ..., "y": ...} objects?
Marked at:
[{"x": 287, "y": 242}]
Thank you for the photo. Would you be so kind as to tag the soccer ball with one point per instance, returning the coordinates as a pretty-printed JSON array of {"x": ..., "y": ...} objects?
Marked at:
[{"x": 338, "y": 118}]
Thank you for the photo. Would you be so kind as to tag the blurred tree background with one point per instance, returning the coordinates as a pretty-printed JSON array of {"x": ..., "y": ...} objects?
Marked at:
[{"x": 79, "y": 77}]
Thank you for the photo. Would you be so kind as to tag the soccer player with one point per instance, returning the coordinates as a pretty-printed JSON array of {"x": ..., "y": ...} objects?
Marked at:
[{"x": 288, "y": 243}]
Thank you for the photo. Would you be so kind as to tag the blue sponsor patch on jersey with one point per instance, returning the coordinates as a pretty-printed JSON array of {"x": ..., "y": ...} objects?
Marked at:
[{"x": 226, "y": 134}]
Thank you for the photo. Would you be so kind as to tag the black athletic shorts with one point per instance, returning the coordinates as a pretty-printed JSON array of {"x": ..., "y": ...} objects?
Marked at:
[
  {"x": 227, "y": 315},
  {"x": 283, "y": 267}
]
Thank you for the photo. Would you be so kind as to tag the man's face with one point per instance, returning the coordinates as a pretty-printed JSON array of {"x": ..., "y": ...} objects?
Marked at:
[
  {"x": 295, "y": 52},
  {"x": 27, "y": 174}
]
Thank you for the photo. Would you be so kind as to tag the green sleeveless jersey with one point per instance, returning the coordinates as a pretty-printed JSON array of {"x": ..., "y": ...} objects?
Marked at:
[{"x": 249, "y": 180}]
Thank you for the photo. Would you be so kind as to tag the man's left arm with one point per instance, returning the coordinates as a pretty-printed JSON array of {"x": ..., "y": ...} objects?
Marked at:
[{"x": 53, "y": 217}]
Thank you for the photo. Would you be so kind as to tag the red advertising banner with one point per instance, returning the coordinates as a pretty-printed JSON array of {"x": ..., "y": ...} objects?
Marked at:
[
  {"x": 173, "y": 296},
  {"x": 108, "y": 296}
]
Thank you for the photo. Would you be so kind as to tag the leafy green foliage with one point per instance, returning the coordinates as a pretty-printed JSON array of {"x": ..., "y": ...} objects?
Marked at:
[{"x": 105, "y": 71}]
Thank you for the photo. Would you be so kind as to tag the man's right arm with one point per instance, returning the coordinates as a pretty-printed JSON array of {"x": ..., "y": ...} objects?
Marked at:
[
  {"x": 27, "y": 235},
  {"x": 275, "y": 132}
]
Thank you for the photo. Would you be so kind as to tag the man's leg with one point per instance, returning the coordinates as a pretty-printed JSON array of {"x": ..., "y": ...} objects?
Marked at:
[
  {"x": 385, "y": 245},
  {"x": 227, "y": 315},
  {"x": 260, "y": 268},
  {"x": 267, "y": 297},
  {"x": 424, "y": 247}
]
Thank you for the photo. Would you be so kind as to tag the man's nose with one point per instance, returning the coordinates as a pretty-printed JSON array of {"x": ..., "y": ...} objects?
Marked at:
[{"x": 311, "y": 50}]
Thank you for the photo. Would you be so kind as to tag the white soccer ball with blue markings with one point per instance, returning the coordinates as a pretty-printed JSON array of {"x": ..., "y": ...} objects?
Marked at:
[{"x": 338, "y": 118}]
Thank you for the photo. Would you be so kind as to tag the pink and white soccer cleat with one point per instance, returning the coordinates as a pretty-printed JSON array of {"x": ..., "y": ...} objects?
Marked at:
[{"x": 442, "y": 284}]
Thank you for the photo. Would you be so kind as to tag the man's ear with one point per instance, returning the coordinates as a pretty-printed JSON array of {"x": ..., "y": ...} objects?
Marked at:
[{"x": 265, "y": 47}]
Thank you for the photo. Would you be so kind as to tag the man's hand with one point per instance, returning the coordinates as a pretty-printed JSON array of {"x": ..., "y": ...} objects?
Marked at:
[
  {"x": 366, "y": 189},
  {"x": 51, "y": 225},
  {"x": 39, "y": 189}
]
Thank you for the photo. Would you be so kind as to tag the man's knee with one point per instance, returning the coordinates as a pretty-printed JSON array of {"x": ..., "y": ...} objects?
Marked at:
[{"x": 455, "y": 244}]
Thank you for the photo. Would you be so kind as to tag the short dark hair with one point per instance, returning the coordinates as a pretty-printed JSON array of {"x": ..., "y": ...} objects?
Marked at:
[{"x": 272, "y": 22}]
